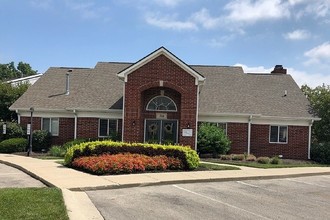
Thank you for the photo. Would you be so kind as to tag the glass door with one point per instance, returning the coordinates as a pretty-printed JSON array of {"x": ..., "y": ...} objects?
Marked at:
[{"x": 161, "y": 131}]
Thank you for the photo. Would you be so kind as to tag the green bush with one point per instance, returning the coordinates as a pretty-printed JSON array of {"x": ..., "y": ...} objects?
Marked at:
[
  {"x": 225, "y": 157},
  {"x": 13, "y": 145},
  {"x": 41, "y": 140},
  {"x": 13, "y": 130},
  {"x": 73, "y": 142},
  {"x": 213, "y": 140},
  {"x": 275, "y": 160},
  {"x": 238, "y": 157},
  {"x": 57, "y": 151},
  {"x": 263, "y": 160},
  {"x": 189, "y": 157},
  {"x": 250, "y": 157},
  {"x": 320, "y": 152}
]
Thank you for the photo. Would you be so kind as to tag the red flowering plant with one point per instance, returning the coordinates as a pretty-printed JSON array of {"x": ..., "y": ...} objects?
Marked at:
[{"x": 125, "y": 163}]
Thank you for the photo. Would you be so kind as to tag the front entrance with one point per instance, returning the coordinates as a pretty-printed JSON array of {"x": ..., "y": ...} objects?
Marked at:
[{"x": 161, "y": 131}]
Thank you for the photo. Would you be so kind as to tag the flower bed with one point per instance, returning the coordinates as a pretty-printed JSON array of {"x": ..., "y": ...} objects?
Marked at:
[
  {"x": 188, "y": 157},
  {"x": 125, "y": 163}
]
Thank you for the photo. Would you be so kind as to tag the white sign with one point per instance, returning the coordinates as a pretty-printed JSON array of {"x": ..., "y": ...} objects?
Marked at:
[
  {"x": 187, "y": 132},
  {"x": 4, "y": 129},
  {"x": 28, "y": 129},
  {"x": 161, "y": 115}
]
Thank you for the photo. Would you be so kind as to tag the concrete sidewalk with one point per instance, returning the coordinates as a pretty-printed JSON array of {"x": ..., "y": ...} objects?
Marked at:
[{"x": 73, "y": 182}]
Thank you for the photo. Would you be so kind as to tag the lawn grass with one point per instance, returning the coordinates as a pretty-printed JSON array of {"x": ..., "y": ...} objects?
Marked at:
[
  {"x": 207, "y": 166},
  {"x": 283, "y": 164},
  {"x": 32, "y": 203}
]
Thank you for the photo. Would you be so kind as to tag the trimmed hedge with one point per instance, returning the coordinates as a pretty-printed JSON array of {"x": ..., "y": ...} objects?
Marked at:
[
  {"x": 189, "y": 157},
  {"x": 13, "y": 145}
]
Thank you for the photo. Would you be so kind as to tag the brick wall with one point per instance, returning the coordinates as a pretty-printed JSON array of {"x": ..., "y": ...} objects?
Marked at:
[
  {"x": 66, "y": 128},
  {"x": 296, "y": 148},
  {"x": 145, "y": 82},
  {"x": 87, "y": 127},
  {"x": 238, "y": 134}
]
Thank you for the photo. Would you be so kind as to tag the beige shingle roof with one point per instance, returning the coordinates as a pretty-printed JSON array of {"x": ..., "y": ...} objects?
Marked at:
[{"x": 226, "y": 90}]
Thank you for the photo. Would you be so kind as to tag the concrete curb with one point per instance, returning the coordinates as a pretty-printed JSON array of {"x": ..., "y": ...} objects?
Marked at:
[{"x": 122, "y": 186}]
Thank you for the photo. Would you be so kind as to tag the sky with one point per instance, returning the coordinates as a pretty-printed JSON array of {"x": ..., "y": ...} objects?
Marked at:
[{"x": 254, "y": 34}]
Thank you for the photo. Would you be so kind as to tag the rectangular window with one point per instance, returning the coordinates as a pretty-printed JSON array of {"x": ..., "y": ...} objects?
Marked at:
[
  {"x": 51, "y": 125},
  {"x": 278, "y": 134},
  {"x": 107, "y": 127}
]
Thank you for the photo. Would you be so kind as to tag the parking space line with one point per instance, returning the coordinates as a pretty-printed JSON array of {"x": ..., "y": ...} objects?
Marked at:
[
  {"x": 328, "y": 177},
  {"x": 312, "y": 184},
  {"x": 218, "y": 201},
  {"x": 247, "y": 184}
]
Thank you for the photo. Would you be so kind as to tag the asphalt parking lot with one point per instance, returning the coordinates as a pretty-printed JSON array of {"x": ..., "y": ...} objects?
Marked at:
[
  {"x": 11, "y": 177},
  {"x": 288, "y": 198}
]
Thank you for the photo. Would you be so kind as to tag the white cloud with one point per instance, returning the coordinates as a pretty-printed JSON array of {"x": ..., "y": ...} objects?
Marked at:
[
  {"x": 319, "y": 54},
  {"x": 301, "y": 77},
  {"x": 203, "y": 18},
  {"x": 87, "y": 10},
  {"x": 251, "y": 11},
  {"x": 170, "y": 22},
  {"x": 170, "y": 3},
  {"x": 297, "y": 35},
  {"x": 43, "y": 4}
]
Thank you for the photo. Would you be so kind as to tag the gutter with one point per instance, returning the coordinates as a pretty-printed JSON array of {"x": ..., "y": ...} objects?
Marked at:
[{"x": 75, "y": 124}]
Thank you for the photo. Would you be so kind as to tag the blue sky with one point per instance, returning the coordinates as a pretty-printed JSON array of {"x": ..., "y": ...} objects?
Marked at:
[{"x": 256, "y": 34}]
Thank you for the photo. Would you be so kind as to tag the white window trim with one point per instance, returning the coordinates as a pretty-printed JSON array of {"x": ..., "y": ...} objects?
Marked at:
[
  {"x": 50, "y": 125},
  {"x": 225, "y": 126},
  {"x": 155, "y": 110},
  {"x": 108, "y": 119},
  {"x": 278, "y": 134}
]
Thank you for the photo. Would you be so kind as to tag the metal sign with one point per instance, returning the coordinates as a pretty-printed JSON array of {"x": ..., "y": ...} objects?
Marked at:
[
  {"x": 4, "y": 129},
  {"x": 28, "y": 129}
]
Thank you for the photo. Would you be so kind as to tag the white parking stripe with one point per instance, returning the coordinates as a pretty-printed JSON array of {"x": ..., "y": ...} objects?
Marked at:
[
  {"x": 218, "y": 201},
  {"x": 312, "y": 184},
  {"x": 328, "y": 177},
  {"x": 247, "y": 184}
]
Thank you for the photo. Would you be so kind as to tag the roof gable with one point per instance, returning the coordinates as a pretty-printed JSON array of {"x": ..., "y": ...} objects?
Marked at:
[{"x": 199, "y": 79}]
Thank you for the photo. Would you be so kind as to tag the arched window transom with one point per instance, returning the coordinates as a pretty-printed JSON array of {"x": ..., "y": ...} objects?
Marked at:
[{"x": 161, "y": 103}]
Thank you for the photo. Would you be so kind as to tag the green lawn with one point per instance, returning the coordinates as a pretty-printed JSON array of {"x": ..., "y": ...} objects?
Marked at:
[
  {"x": 283, "y": 164},
  {"x": 32, "y": 204},
  {"x": 205, "y": 166}
]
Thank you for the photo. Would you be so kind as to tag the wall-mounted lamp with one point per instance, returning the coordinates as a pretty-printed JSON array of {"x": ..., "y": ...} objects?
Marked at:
[
  {"x": 133, "y": 123},
  {"x": 188, "y": 125}
]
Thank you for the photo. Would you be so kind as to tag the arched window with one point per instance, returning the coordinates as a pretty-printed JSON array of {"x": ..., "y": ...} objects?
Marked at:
[{"x": 161, "y": 103}]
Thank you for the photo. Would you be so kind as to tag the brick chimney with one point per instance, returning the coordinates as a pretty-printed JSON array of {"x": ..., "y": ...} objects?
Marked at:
[{"x": 278, "y": 69}]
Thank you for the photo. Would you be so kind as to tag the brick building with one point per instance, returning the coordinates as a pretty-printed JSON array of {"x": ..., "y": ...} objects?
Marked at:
[{"x": 162, "y": 99}]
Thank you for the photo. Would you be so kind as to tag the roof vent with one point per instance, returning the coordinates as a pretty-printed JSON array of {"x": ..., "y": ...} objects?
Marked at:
[
  {"x": 278, "y": 69},
  {"x": 67, "y": 84}
]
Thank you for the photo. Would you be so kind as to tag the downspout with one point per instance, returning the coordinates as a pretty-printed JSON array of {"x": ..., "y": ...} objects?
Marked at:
[
  {"x": 18, "y": 117},
  {"x": 123, "y": 117},
  {"x": 75, "y": 124},
  {"x": 249, "y": 135},
  {"x": 196, "y": 126},
  {"x": 310, "y": 138}
]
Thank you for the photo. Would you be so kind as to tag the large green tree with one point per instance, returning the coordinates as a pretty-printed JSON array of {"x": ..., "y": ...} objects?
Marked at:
[
  {"x": 8, "y": 95},
  {"x": 9, "y": 71},
  {"x": 319, "y": 98}
]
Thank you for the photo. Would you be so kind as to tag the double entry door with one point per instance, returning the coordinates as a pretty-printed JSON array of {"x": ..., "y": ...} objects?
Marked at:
[{"x": 161, "y": 131}]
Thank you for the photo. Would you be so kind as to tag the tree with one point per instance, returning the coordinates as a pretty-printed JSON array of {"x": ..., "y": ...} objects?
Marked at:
[
  {"x": 213, "y": 140},
  {"x": 8, "y": 95},
  {"x": 320, "y": 107},
  {"x": 9, "y": 71}
]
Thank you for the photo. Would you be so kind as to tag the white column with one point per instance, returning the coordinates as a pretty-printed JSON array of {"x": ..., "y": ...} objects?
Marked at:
[
  {"x": 310, "y": 138},
  {"x": 249, "y": 135}
]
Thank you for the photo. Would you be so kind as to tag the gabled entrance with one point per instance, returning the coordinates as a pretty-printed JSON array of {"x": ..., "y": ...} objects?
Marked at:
[{"x": 161, "y": 131}]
